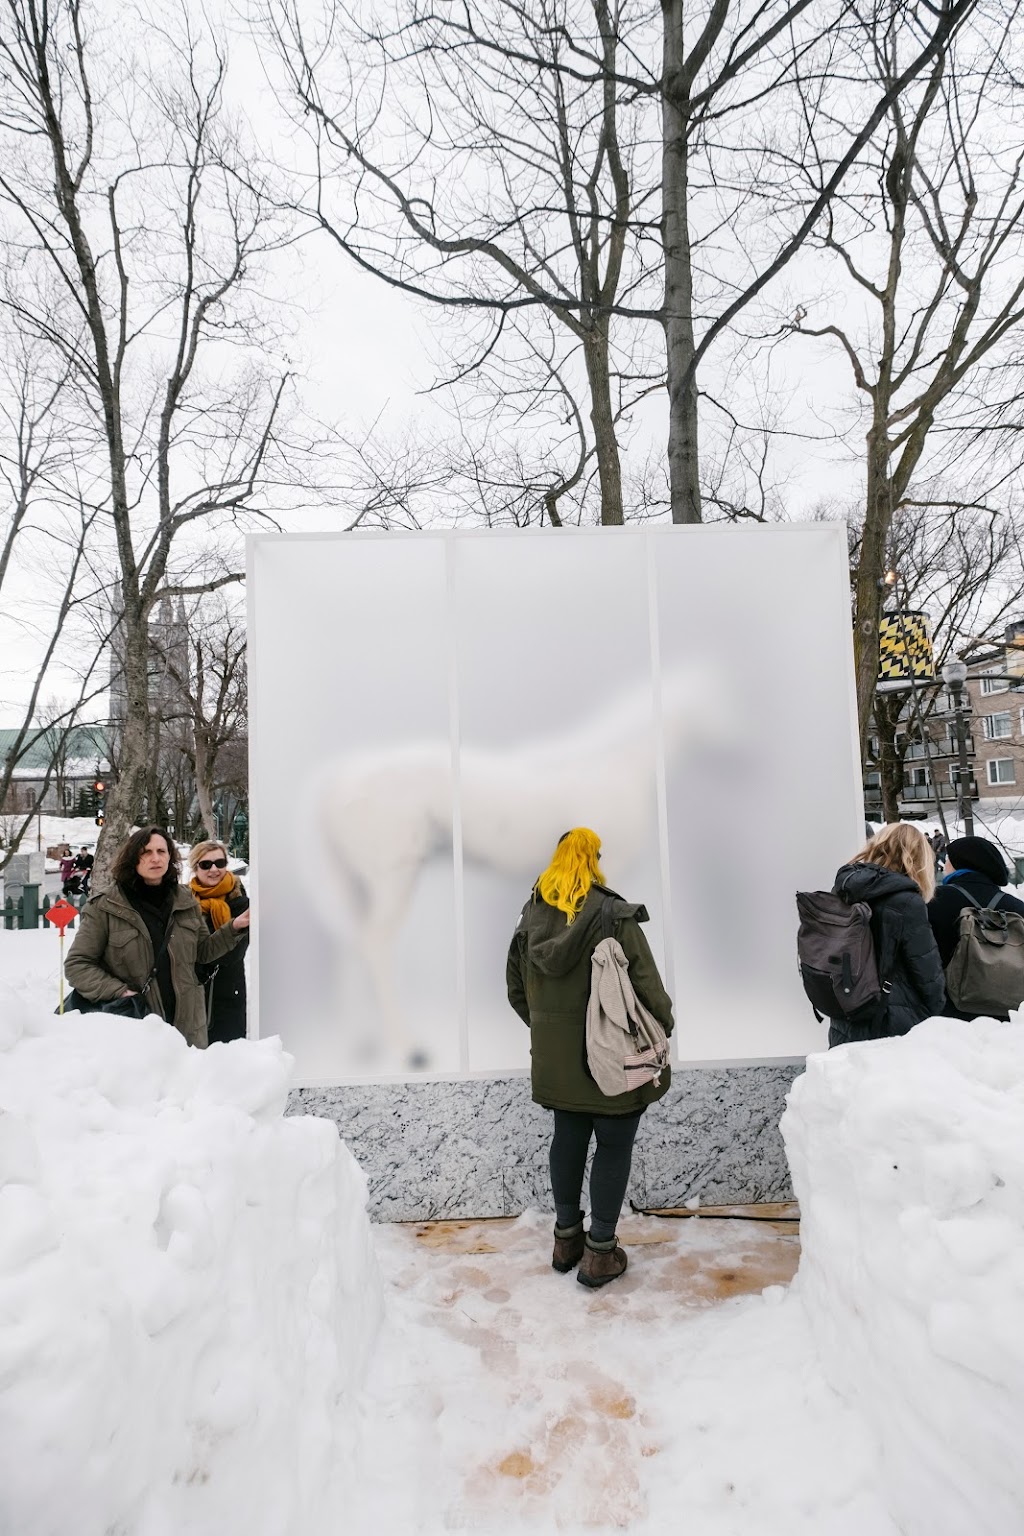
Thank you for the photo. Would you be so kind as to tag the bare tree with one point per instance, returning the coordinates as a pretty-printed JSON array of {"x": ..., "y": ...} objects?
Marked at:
[
  {"x": 728, "y": 76},
  {"x": 923, "y": 234},
  {"x": 141, "y": 221},
  {"x": 45, "y": 581},
  {"x": 516, "y": 190},
  {"x": 959, "y": 562},
  {"x": 213, "y": 694},
  {"x": 502, "y": 161}
]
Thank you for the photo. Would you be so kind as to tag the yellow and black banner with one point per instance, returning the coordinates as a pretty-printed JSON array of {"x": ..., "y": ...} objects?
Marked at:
[{"x": 905, "y": 650}]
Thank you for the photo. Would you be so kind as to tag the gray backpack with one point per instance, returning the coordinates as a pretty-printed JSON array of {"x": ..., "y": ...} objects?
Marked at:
[
  {"x": 986, "y": 974},
  {"x": 836, "y": 955}
]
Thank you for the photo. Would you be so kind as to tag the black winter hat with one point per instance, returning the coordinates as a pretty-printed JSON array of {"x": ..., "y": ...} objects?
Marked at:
[{"x": 979, "y": 854}]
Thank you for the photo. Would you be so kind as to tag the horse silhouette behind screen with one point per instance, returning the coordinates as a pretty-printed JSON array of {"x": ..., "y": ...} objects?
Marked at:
[{"x": 384, "y": 813}]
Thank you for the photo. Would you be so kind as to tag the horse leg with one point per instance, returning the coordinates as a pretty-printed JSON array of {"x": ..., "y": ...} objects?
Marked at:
[{"x": 390, "y": 892}]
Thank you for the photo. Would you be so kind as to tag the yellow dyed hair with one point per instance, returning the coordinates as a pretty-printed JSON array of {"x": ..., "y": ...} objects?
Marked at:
[{"x": 573, "y": 869}]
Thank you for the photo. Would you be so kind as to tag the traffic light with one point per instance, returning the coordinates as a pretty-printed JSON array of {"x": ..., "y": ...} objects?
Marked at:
[{"x": 99, "y": 800}]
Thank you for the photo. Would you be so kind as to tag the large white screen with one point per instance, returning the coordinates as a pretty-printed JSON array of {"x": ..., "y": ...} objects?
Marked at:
[{"x": 431, "y": 711}]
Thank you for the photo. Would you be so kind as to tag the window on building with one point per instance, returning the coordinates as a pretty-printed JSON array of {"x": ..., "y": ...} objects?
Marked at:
[
  {"x": 997, "y": 727},
  {"x": 993, "y": 685},
  {"x": 873, "y": 781},
  {"x": 919, "y": 777},
  {"x": 1001, "y": 770}
]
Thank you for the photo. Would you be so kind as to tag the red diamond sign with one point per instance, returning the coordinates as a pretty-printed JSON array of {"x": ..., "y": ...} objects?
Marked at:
[{"x": 61, "y": 913}]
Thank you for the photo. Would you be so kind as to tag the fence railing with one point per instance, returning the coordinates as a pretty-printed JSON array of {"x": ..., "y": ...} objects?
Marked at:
[{"x": 27, "y": 912}]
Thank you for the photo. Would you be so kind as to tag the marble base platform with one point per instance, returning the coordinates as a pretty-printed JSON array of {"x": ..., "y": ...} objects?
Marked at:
[{"x": 480, "y": 1148}]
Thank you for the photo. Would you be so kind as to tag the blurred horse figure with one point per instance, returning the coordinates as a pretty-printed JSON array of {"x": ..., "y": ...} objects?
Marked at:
[{"x": 385, "y": 813}]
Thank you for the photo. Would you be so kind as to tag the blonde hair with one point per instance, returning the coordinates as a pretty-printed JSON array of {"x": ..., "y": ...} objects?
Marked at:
[
  {"x": 573, "y": 870},
  {"x": 905, "y": 850},
  {"x": 201, "y": 850}
]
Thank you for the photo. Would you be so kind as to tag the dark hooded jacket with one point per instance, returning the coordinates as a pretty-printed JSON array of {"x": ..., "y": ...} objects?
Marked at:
[
  {"x": 944, "y": 911},
  {"x": 905, "y": 951},
  {"x": 548, "y": 976}
]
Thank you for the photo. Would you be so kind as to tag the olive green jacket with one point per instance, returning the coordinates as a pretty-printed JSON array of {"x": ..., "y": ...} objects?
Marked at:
[
  {"x": 113, "y": 950},
  {"x": 548, "y": 977}
]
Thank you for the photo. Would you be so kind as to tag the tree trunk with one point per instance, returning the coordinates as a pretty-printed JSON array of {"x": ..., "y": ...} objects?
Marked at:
[
  {"x": 609, "y": 469},
  {"x": 680, "y": 348},
  {"x": 887, "y": 712},
  {"x": 870, "y": 584},
  {"x": 125, "y": 800},
  {"x": 205, "y": 797},
  {"x": 205, "y": 759}
]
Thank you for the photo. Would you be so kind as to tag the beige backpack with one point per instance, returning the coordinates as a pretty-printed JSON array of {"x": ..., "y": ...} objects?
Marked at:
[{"x": 626, "y": 1046}]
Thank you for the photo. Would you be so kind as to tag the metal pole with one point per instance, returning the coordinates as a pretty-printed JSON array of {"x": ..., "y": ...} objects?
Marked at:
[{"x": 963, "y": 769}]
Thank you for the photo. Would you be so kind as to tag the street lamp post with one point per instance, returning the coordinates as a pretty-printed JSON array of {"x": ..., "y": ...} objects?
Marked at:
[{"x": 954, "y": 675}]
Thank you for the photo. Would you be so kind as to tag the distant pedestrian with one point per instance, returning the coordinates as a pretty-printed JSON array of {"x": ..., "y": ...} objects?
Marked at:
[
  {"x": 222, "y": 897},
  {"x": 548, "y": 975},
  {"x": 146, "y": 931},
  {"x": 67, "y": 871},
  {"x": 973, "y": 867},
  {"x": 895, "y": 874},
  {"x": 83, "y": 869},
  {"x": 939, "y": 845}
]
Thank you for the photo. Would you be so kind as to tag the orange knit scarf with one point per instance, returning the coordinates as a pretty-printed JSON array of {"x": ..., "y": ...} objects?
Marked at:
[{"x": 212, "y": 898}]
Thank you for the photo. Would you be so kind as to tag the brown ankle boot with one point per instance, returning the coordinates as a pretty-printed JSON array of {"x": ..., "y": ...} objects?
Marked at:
[
  {"x": 568, "y": 1248},
  {"x": 601, "y": 1262}
]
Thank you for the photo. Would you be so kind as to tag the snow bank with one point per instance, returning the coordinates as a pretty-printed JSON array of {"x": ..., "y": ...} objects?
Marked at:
[
  {"x": 908, "y": 1162},
  {"x": 188, "y": 1293}
]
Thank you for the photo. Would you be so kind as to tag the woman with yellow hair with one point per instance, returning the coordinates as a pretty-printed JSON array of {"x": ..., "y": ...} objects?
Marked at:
[
  {"x": 548, "y": 976},
  {"x": 222, "y": 897}
]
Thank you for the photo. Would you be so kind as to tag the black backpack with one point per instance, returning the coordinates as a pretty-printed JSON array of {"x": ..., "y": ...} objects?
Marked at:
[{"x": 836, "y": 952}]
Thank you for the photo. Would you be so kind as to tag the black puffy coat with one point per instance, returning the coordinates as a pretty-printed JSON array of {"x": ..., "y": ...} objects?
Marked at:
[
  {"x": 228, "y": 1015},
  {"x": 905, "y": 951},
  {"x": 944, "y": 915}
]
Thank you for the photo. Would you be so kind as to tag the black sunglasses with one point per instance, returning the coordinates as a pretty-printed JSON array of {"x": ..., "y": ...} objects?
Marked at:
[{"x": 212, "y": 864}]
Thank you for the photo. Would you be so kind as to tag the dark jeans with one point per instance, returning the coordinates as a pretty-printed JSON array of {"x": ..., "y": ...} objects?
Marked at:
[{"x": 609, "y": 1173}]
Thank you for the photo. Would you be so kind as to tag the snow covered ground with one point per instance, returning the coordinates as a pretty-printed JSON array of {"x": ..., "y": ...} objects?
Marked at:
[
  {"x": 908, "y": 1160},
  {"x": 189, "y": 1299},
  {"x": 188, "y": 1289}
]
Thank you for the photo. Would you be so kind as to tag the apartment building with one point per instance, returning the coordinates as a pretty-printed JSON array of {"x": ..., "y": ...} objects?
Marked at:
[
  {"x": 995, "y": 684},
  {"x": 993, "y": 709}
]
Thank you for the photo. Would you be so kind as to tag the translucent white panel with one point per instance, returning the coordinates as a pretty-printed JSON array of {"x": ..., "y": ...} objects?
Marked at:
[
  {"x": 765, "y": 800},
  {"x": 352, "y": 793},
  {"x": 556, "y": 731},
  {"x": 430, "y": 713}
]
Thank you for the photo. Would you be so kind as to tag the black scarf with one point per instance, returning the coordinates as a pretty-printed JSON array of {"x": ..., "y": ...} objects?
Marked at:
[{"x": 153, "y": 903}]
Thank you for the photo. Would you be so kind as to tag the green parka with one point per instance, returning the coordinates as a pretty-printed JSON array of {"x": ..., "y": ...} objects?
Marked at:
[
  {"x": 113, "y": 950},
  {"x": 548, "y": 977}
]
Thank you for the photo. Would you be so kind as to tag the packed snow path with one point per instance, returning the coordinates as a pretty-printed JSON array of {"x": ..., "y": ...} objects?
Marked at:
[{"x": 504, "y": 1396}]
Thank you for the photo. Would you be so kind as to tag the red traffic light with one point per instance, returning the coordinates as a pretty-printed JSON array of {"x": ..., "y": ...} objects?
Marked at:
[{"x": 99, "y": 786}]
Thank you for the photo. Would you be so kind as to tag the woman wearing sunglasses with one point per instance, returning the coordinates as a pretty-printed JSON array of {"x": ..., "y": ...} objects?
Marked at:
[{"x": 223, "y": 898}]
